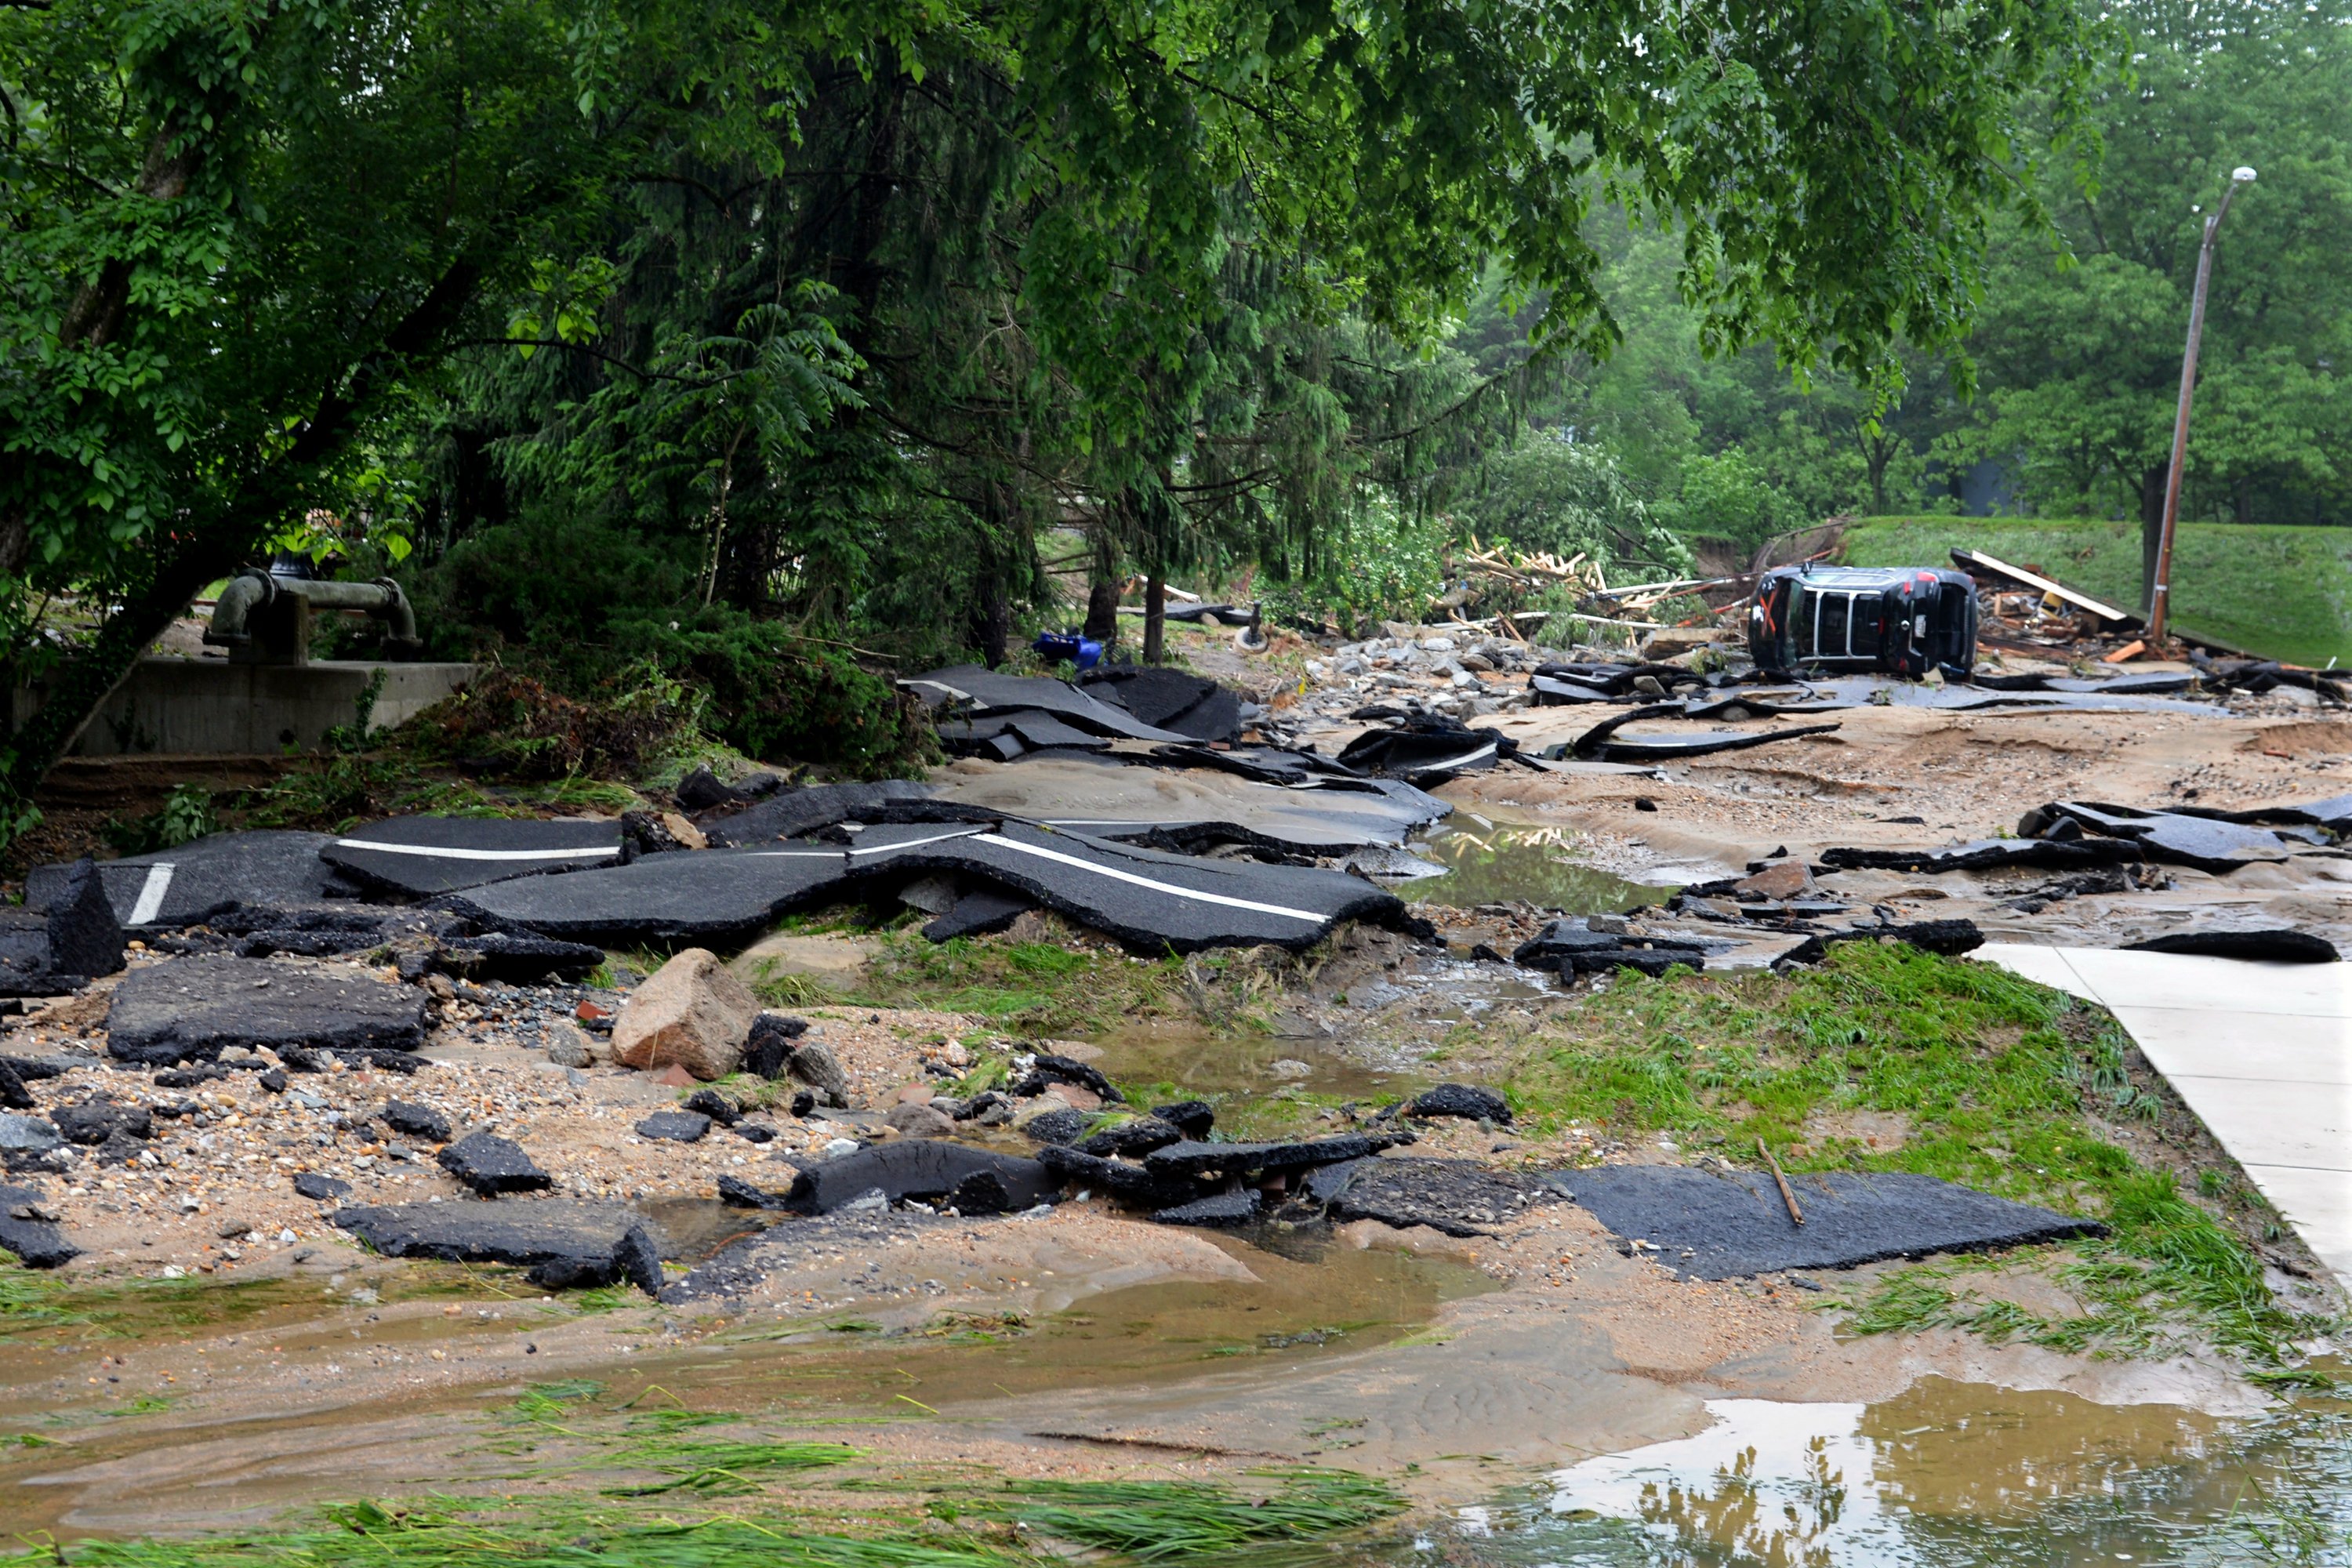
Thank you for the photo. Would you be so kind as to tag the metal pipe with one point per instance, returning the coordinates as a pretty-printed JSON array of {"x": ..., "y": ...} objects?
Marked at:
[
  {"x": 2160, "y": 591},
  {"x": 233, "y": 611},
  {"x": 255, "y": 589}
]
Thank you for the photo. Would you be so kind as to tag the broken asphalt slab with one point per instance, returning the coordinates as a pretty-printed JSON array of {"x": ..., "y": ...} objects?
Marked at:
[
  {"x": 968, "y": 691},
  {"x": 1151, "y": 900},
  {"x": 1457, "y": 1197},
  {"x": 191, "y": 1009},
  {"x": 418, "y": 857},
  {"x": 926, "y": 1169},
  {"x": 2265, "y": 946},
  {"x": 1989, "y": 854},
  {"x": 563, "y": 1242},
  {"x": 183, "y": 886},
  {"x": 36, "y": 1241},
  {"x": 1185, "y": 809},
  {"x": 2202, "y": 842},
  {"x": 1603, "y": 743},
  {"x": 1715, "y": 1226},
  {"x": 493, "y": 1166}
]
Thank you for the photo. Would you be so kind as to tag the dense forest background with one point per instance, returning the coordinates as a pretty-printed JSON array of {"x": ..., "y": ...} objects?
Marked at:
[{"x": 772, "y": 350}]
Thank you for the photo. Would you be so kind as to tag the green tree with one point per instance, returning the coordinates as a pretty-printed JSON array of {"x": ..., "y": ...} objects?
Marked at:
[
  {"x": 2081, "y": 346},
  {"x": 1175, "y": 269}
]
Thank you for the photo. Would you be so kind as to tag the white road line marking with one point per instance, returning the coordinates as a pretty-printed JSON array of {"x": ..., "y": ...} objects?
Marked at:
[
  {"x": 1130, "y": 876},
  {"x": 151, "y": 893},
  {"x": 1463, "y": 760},
  {"x": 430, "y": 852}
]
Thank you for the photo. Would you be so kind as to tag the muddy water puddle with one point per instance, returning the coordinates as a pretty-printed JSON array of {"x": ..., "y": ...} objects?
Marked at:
[
  {"x": 218, "y": 1453},
  {"x": 1947, "y": 1473},
  {"x": 1189, "y": 1060},
  {"x": 1497, "y": 863}
]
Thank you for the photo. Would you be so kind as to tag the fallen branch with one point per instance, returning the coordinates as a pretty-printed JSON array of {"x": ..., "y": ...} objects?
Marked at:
[{"x": 1795, "y": 1214}]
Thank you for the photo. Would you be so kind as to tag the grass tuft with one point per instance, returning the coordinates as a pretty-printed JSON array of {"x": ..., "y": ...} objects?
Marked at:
[{"x": 1152, "y": 1521}]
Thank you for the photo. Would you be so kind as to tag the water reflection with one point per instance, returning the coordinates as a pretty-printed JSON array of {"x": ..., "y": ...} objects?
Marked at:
[
  {"x": 1949, "y": 1473},
  {"x": 1500, "y": 864}
]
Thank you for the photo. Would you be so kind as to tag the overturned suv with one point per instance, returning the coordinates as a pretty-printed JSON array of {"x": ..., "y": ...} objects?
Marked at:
[{"x": 1903, "y": 620}]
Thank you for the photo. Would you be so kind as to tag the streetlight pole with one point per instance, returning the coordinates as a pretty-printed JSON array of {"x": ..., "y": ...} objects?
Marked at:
[{"x": 2160, "y": 591}]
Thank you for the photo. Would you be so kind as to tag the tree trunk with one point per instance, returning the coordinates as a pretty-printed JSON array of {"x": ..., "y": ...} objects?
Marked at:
[
  {"x": 2151, "y": 531},
  {"x": 1102, "y": 611},
  {"x": 1155, "y": 617}
]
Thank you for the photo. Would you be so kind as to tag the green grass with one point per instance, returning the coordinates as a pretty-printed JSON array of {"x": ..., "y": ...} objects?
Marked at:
[
  {"x": 538, "y": 1535},
  {"x": 1149, "y": 1522},
  {"x": 31, "y": 1300},
  {"x": 2283, "y": 593},
  {"x": 1997, "y": 1079},
  {"x": 1154, "y": 1521},
  {"x": 1033, "y": 987}
]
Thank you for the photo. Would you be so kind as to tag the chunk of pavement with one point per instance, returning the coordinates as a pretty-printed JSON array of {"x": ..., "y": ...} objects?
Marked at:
[
  {"x": 413, "y": 1120},
  {"x": 492, "y": 1165},
  {"x": 701, "y": 789},
  {"x": 14, "y": 1095},
  {"x": 1139, "y": 1136},
  {"x": 1735, "y": 1224},
  {"x": 983, "y": 911},
  {"x": 2203, "y": 842},
  {"x": 915, "y": 1168},
  {"x": 1066, "y": 1126},
  {"x": 517, "y": 957},
  {"x": 1170, "y": 699},
  {"x": 982, "y": 1194},
  {"x": 674, "y": 1127},
  {"x": 725, "y": 895},
  {"x": 186, "y": 884},
  {"x": 1192, "y": 1158},
  {"x": 1219, "y": 1209},
  {"x": 92, "y": 1121},
  {"x": 813, "y": 1064},
  {"x": 28, "y": 1135},
  {"x": 1047, "y": 1068},
  {"x": 770, "y": 1046},
  {"x": 714, "y": 1105},
  {"x": 920, "y": 1121},
  {"x": 85, "y": 936},
  {"x": 798, "y": 812},
  {"x": 563, "y": 1242},
  {"x": 1950, "y": 938},
  {"x": 737, "y": 1192},
  {"x": 319, "y": 1187},
  {"x": 2267, "y": 946},
  {"x": 1461, "y": 1099},
  {"x": 1990, "y": 854},
  {"x": 691, "y": 1011},
  {"x": 37, "y": 1243},
  {"x": 1193, "y": 1118},
  {"x": 420, "y": 857},
  {"x": 193, "y": 1008},
  {"x": 1458, "y": 1197},
  {"x": 1573, "y": 947},
  {"x": 1131, "y": 1183}
]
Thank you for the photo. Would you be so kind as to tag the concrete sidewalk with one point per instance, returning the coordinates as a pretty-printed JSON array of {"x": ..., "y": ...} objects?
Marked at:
[{"x": 2261, "y": 1052}]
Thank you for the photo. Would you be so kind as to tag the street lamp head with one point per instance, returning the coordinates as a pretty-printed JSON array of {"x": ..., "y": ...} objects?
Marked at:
[{"x": 2242, "y": 175}]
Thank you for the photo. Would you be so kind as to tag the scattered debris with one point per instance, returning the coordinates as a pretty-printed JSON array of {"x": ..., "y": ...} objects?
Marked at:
[{"x": 1722, "y": 1225}]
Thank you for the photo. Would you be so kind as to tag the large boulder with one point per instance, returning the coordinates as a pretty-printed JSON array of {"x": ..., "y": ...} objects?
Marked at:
[{"x": 692, "y": 1012}]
